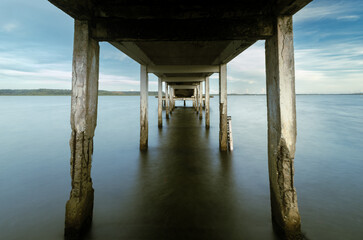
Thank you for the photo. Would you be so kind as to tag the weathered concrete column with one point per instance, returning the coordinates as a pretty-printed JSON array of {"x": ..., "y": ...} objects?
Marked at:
[
  {"x": 166, "y": 100},
  {"x": 170, "y": 102},
  {"x": 144, "y": 123},
  {"x": 207, "y": 115},
  {"x": 172, "y": 99},
  {"x": 201, "y": 100},
  {"x": 160, "y": 103},
  {"x": 280, "y": 81},
  {"x": 223, "y": 107},
  {"x": 197, "y": 99},
  {"x": 79, "y": 207}
]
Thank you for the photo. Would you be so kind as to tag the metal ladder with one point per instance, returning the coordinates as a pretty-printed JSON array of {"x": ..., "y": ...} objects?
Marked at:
[{"x": 229, "y": 133}]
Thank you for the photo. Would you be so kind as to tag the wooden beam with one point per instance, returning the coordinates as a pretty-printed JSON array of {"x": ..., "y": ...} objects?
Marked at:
[
  {"x": 184, "y": 69},
  {"x": 106, "y": 29}
]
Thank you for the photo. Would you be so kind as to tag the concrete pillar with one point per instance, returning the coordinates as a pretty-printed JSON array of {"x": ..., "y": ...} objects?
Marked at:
[
  {"x": 207, "y": 115},
  {"x": 160, "y": 103},
  {"x": 166, "y": 100},
  {"x": 172, "y": 102},
  {"x": 79, "y": 207},
  {"x": 280, "y": 85},
  {"x": 144, "y": 123},
  {"x": 201, "y": 100},
  {"x": 184, "y": 103},
  {"x": 197, "y": 99},
  {"x": 223, "y": 107}
]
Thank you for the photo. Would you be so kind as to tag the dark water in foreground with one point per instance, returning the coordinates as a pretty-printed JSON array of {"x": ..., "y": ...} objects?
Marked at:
[{"x": 182, "y": 188}]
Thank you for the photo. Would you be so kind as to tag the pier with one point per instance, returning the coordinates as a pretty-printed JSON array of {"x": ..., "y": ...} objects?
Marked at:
[{"x": 183, "y": 43}]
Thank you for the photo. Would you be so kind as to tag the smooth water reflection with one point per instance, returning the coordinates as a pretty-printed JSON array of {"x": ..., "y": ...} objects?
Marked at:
[{"x": 183, "y": 187}]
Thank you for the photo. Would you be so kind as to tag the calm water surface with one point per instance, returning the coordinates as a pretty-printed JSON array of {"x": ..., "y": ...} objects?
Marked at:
[{"x": 183, "y": 187}]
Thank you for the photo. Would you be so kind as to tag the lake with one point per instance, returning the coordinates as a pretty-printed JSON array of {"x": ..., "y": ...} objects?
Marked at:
[{"x": 183, "y": 187}]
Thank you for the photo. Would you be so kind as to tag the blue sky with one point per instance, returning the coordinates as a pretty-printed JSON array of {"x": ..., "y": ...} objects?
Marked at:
[{"x": 36, "y": 44}]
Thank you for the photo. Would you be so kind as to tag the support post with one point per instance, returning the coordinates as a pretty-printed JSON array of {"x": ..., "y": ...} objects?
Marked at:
[
  {"x": 79, "y": 207},
  {"x": 172, "y": 99},
  {"x": 281, "y": 111},
  {"x": 160, "y": 103},
  {"x": 201, "y": 100},
  {"x": 223, "y": 107},
  {"x": 197, "y": 99},
  {"x": 144, "y": 123},
  {"x": 207, "y": 115},
  {"x": 184, "y": 103},
  {"x": 166, "y": 100}
]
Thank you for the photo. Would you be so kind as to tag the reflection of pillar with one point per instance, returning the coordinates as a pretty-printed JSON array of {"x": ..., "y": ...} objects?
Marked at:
[
  {"x": 144, "y": 85},
  {"x": 160, "y": 99},
  {"x": 200, "y": 100},
  {"x": 166, "y": 100},
  {"x": 281, "y": 111},
  {"x": 207, "y": 121},
  {"x": 79, "y": 207},
  {"x": 223, "y": 107}
]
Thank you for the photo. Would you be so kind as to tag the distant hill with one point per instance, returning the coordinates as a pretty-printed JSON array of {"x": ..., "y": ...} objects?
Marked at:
[{"x": 64, "y": 92}]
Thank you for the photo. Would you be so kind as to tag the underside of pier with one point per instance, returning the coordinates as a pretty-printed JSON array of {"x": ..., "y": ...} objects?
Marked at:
[{"x": 183, "y": 43}]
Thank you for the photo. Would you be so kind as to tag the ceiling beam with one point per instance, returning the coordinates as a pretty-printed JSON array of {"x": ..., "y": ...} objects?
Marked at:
[
  {"x": 133, "y": 51},
  {"x": 183, "y": 86},
  {"x": 80, "y": 9},
  {"x": 232, "y": 50},
  {"x": 183, "y": 69},
  {"x": 182, "y": 79},
  {"x": 290, "y": 7},
  {"x": 107, "y": 29}
]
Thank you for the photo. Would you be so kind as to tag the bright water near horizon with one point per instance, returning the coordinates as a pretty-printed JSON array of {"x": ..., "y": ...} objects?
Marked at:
[{"x": 182, "y": 188}]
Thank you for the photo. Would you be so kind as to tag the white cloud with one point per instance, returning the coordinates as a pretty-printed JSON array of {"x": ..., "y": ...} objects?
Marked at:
[
  {"x": 328, "y": 10},
  {"x": 9, "y": 27},
  {"x": 349, "y": 18}
]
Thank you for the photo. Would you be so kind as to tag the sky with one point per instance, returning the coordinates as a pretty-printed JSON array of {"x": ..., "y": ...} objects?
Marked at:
[{"x": 36, "y": 46}]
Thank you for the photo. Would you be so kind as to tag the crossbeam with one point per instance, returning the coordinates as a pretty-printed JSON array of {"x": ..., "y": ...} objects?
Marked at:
[
  {"x": 183, "y": 86},
  {"x": 183, "y": 79},
  {"x": 184, "y": 69},
  {"x": 118, "y": 29}
]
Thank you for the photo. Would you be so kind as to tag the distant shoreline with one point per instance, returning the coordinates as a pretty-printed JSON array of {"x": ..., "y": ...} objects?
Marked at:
[{"x": 66, "y": 92}]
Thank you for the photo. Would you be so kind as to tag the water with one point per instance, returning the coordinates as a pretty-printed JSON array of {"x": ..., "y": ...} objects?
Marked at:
[{"x": 183, "y": 187}]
